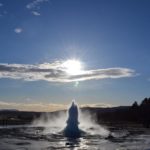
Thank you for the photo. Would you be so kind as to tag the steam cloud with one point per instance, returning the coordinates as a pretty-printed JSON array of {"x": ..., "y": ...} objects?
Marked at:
[{"x": 56, "y": 123}]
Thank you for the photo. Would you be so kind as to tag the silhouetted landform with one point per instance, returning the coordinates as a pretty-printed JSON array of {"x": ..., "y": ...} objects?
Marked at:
[
  {"x": 16, "y": 117},
  {"x": 136, "y": 114},
  {"x": 8, "y": 110}
]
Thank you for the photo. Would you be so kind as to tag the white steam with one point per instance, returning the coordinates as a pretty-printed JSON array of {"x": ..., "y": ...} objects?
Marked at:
[
  {"x": 52, "y": 123},
  {"x": 55, "y": 123},
  {"x": 89, "y": 125}
]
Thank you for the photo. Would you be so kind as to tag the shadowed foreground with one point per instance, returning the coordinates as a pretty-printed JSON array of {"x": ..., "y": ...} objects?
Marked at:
[{"x": 34, "y": 138}]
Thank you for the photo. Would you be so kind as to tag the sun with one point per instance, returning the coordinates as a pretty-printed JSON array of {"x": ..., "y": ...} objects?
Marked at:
[{"x": 72, "y": 67}]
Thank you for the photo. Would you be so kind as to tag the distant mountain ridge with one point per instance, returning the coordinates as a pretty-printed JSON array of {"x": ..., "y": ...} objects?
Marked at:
[
  {"x": 9, "y": 110},
  {"x": 138, "y": 114}
]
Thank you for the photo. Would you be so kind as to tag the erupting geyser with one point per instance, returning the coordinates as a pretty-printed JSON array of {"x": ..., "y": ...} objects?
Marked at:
[{"x": 72, "y": 129}]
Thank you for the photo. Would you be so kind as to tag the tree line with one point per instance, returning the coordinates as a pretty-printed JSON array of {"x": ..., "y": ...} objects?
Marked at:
[{"x": 136, "y": 113}]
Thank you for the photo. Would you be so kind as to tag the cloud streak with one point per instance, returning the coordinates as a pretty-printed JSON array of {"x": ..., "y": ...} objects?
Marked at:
[
  {"x": 18, "y": 30},
  {"x": 55, "y": 72},
  {"x": 101, "y": 105},
  {"x": 35, "y": 13},
  {"x": 35, "y": 4},
  {"x": 1, "y": 4},
  {"x": 46, "y": 107}
]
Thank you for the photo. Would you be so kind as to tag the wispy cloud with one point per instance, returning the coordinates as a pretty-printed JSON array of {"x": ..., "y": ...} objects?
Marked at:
[
  {"x": 102, "y": 105},
  {"x": 46, "y": 107},
  {"x": 55, "y": 72},
  {"x": 18, "y": 30},
  {"x": 1, "y": 13},
  {"x": 1, "y": 4},
  {"x": 35, "y": 4},
  {"x": 35, "y": 13}
]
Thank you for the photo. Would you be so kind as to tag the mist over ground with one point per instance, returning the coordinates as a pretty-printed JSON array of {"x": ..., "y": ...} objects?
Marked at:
[{"x": 55, "y": 123}]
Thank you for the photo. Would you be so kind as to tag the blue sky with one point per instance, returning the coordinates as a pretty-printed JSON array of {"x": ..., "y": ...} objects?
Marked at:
[{"x": 102, "y": 34}]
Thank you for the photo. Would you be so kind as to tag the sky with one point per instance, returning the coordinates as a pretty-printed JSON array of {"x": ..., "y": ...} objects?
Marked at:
[{"x": 110, "y": 40}]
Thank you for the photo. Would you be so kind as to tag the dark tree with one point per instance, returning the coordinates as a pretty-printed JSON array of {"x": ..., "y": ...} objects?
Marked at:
[
  {"x": 145, "y": 102},
  {"x": 135, "y": 105}
]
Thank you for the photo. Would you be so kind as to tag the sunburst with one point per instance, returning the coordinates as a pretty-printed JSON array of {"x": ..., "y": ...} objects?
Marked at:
[{"x": 72, "y": 67}]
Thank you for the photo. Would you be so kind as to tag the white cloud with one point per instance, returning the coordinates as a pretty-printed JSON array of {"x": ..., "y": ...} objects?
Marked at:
[
  {"x": 1, "y": 4},
  {"x": 54, "y": 72},
  {"x": 18, "y": 30},
  {"x": 35, "y": 13},
  {"x": 47, "y": 107},
  {"x": 35, "y": 4},
  {"x": 102, "y": 105},
  {"x": 1, "y": 15}
]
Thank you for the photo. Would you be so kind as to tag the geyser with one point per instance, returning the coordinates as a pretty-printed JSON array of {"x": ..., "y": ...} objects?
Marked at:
[{"x": 72, "y": 129}]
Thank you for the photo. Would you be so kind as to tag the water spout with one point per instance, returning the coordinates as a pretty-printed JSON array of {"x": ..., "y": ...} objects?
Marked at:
[{"x": 72, "y": 129}]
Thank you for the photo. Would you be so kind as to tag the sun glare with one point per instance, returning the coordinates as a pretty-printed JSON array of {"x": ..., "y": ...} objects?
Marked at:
[{"x": 72, "y": 67}]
